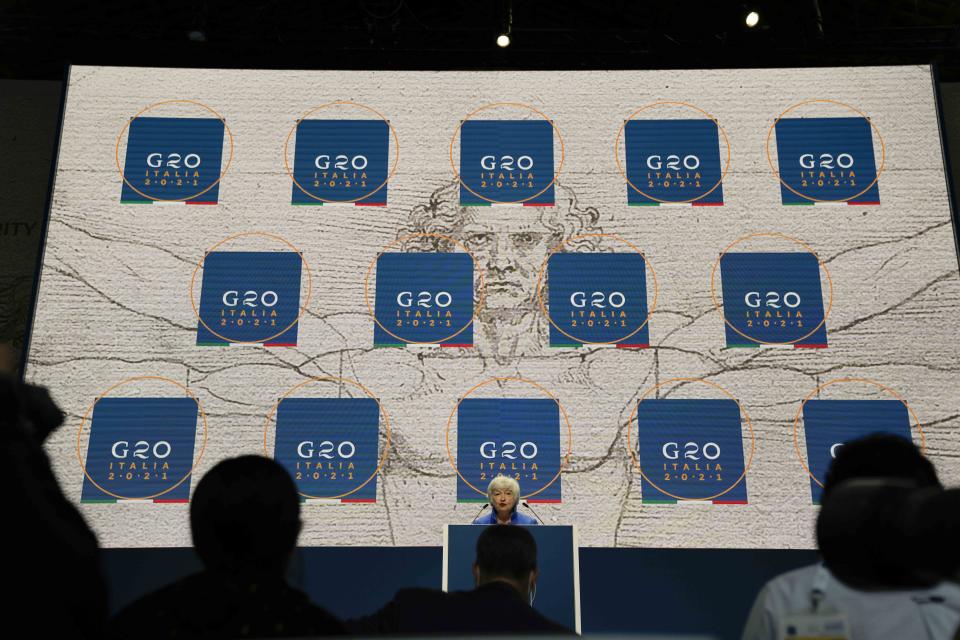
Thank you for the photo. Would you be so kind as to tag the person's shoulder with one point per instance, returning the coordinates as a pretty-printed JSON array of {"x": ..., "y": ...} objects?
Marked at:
[
  {"x": 792, "y": 584},
  {"x": 497, "y": 596},
  {"x": 783, "y": 593},
  {"x": 316, "y": 620},
  {"x": 420, "y": 593},
  {"x": 412, "y": 599},
  {"x": 555, "y": 628},
  {"x": 156, "y": 608},
  {"x": 184, "y": 589},
  {"x": 421, "y": 610},
  {"x": 522, "y": 518},
  {"x": 948, "y": 590}
]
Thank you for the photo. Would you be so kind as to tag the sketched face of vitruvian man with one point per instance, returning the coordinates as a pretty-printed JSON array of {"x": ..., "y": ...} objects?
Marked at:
[
  {"x": 511, "y": 247},
  {"x": 114, "y": 319}
]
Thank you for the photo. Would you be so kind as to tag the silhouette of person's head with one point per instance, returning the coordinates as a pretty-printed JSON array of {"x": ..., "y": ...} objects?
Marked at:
[
  {"x": 880, "y": 455},
  {"x": 864, "y": 523},
  {"x": 29, "y": 409},
  {"x": 507, "y": 554},
  {"x": 245, "y": 517}
]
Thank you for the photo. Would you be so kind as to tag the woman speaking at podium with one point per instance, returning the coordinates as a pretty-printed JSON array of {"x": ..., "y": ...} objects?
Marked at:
[{"x": 504, "y": 495}]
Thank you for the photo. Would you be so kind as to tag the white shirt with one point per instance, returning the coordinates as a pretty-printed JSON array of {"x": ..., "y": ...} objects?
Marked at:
[{"x": 916, "y": 614}]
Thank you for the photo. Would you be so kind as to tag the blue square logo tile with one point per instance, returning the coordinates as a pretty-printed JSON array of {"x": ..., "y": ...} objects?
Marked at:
[
  {"x": 828, "y": 424},
  {"x": 424, "y": 298},
  {"x": 673, "y": 161},
  {"x": 341, "y": 161},
  {"x": 514, "y": 437},
  {"x": 772, "y": 298},
  {"x": 598, "y": 298},
  {"x": 140, "y": 448},
  {"x": 250, "y": 297},
  {"x": 330, "y": 446},
  {"x": 506, "y": 162},
  {"x": 691, "y": 449},
  {"x": 826, "y": 160},
  {"x": 173, "y": 159}
]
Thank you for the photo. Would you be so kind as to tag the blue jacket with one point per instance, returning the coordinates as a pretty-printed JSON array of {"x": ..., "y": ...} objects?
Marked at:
[{"x": 516, "y": 518}]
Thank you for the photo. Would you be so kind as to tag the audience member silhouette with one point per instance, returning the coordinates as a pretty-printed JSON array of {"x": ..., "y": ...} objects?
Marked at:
[
  {"x": 245, "y": 519},
  {"x": 505, "y": 572},
  {"x": 52, "y": 564},
  {"x": 869, "y": 580},
  {"x": 935, "y": 530}
]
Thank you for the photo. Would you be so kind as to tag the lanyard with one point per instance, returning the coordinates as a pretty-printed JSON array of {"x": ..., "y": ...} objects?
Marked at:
[{"x": 819, "y": 587}]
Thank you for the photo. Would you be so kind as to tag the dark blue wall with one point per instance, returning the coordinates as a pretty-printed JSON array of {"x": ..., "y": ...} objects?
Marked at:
[{"x": 621, "y": 590}]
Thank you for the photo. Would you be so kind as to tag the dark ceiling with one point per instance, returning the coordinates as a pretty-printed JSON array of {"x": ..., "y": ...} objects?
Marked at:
[{"x": 38, "y": 40}]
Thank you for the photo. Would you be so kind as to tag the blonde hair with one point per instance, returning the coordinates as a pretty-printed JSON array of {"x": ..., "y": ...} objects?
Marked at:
[{"x": 504, "y": 482}]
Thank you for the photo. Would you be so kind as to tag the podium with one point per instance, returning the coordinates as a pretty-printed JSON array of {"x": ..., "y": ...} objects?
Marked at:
[{"x": 558, "y": 559}]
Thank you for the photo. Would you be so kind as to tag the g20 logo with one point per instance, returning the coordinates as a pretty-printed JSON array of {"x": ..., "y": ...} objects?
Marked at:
[
  {"x": 508, "y": 450},
  {"x": 424, "y": 299},
  {"x": 326, "y": 449},
  {"x": 341, "y": 162},
  {"x": 250, "y": 298},
  {"x": 772, "y": 299},
  {"x": 690, "y": 451},
  {"x": 506, "y": 163},
  {"x": 598, "y": 299},
  {"x": 826, "y": 159},
  {"x": 330, "y": 446},
  {"x": 514, "y": 437},
  {"x": 141, "y": 449},
  {"x": 173, "y": 160},
  {"x": 673, "y": 162}
]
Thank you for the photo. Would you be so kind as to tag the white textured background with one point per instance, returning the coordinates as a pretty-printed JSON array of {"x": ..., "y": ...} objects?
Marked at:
[{"x": 113, "y": 298}]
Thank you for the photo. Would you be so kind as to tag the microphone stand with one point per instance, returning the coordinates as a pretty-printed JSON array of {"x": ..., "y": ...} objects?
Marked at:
[
  {"x": 482, "y": 509},
  {"x": 528, "y": 507}
]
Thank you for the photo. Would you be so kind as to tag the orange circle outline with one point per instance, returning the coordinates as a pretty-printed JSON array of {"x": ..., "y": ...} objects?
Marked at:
[
  {"x": 303, "y": 307},
  {"x": 556, "y": 130},
  {"x": 157, "y": 104},
  {"x": 771, "y": 234},
  {"x": 616, "y": 151},
  {"x": 390, "y": 174},
  {"x": 796, "y": 419},
  {"x": 563, "y": 461},
  {"x": 386, "y": 422},
  {"x": 776, "y": 172},
  {"x": 543, "y": 268},
  {"x": 633, "y": 455},
  {"x": 481, "y": 287},
  {"x": 203, "y": 444}
]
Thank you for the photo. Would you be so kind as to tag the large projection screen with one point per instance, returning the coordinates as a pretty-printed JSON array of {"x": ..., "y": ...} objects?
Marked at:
[{"x": 661, "y": 300}]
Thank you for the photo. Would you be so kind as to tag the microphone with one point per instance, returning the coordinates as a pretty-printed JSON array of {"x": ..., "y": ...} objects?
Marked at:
[
  {"x": 482, "y": 509},
  {"x": 528, "y": 507}
]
